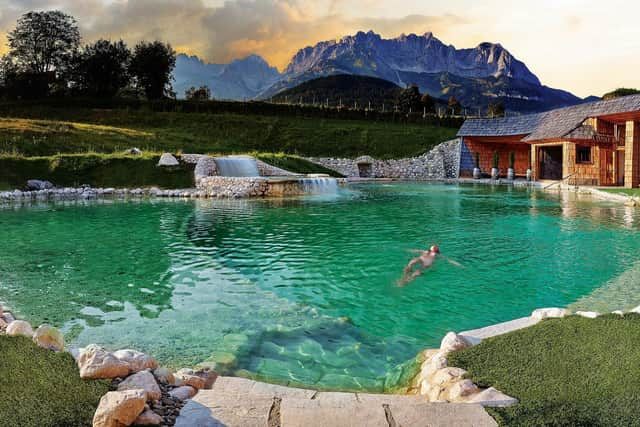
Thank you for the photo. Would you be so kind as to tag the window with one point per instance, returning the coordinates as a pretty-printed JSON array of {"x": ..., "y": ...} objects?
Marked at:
[{"x": 583, "y": 154}]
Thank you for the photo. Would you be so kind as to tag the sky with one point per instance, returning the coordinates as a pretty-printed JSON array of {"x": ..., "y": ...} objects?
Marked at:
[{"x": 583, "y": 46}]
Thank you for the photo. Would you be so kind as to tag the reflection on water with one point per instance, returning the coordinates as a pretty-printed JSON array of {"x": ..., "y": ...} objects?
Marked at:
[{"x": 302, "y": 291}]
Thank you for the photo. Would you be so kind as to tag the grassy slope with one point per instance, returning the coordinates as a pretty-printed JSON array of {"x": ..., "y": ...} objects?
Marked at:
[
  {"x": 72, "y": 130},
  {"x": 41, "y": 388},
  {"x": 569, "y": 372}
]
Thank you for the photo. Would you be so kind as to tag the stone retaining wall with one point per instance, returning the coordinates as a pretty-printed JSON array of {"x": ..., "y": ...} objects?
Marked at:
[{"x": 442, "y": 162}]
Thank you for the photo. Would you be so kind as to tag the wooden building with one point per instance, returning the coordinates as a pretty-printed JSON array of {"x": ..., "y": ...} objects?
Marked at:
[{"x": 595, "y": 143}]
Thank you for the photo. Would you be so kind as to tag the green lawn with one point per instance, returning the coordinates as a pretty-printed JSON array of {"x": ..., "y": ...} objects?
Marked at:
[
  {"x": 41, "y": 388},
  {"x": 47, "y": 131},
  {"x": 565, "y": 372},
  {"x": 626, "y": 191}
]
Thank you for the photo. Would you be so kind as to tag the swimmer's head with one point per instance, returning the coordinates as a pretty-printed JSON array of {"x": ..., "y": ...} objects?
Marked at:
[{"x": 434, "y": 249}]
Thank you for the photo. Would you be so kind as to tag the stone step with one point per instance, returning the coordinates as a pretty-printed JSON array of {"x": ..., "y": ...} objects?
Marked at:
[{"x": 240, "y": 402}]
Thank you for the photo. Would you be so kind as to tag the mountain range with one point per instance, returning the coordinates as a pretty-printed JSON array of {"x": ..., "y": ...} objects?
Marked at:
[{"x": 475, "y": 76}]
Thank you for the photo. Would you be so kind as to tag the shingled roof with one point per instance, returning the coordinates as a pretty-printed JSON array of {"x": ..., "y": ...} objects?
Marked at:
[{"x": 551, "y": 124}]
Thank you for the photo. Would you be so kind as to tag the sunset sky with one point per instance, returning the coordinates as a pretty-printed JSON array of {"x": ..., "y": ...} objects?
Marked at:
[{"x": 586, "y": 47}]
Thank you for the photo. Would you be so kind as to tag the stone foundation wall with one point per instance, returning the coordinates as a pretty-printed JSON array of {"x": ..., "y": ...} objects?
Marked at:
[
  {"x": 233, "y": 187},
  {"x": 266, "y": 169},
  {"x": 442, "y": 162}
]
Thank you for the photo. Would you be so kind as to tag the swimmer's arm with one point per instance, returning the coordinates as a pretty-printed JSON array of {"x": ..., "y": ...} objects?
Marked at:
[{"x": 415, "y": 251}]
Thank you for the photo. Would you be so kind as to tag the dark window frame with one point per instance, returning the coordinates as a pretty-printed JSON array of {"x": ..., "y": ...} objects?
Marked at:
[{"x": 581, "y": 150}]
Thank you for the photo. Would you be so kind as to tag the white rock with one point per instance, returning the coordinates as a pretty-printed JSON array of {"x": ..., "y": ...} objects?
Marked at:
[
  {"x": 8, "y": 317},
  {"x": 462, "y": 388},
  {"x": 548, "y": 313},
  {"x": 635, "y": 310},
  {"x": 19, "y": 327},
  {"x": 95, "y": 362},
  {"x": 148, "y": 418},
  {"x": 183, "y": 393},
  {"x": 46, "y": 336},
  {"x": 119, "y": 408},
  {"x": 167, "y": 159},
  {"x": 431, "y": 391},
  {"x": 588, "y": 314},
  {"x": 164, "y": 376},
  {"x": 447, "y": 374},
  {"x": 492, "y": 397},
  {"x": 618, "y": 312},
  {"x": 136, "y": 360},
  {"x": 143, "y": 380},
  {"x": 436, "y": 362},
  {"x": 452, "y": 342}
]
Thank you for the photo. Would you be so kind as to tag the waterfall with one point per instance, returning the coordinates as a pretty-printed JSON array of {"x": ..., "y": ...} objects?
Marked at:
[
  {"x": 319, "y": 185},
  {"x": 237, "y": 166}
]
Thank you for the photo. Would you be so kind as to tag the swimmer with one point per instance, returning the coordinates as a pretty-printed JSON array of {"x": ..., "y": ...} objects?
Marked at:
[{"x": 423, "y": 261}]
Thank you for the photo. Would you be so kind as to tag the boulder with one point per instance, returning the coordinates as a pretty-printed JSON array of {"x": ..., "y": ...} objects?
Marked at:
[
  {"x": 447, "y": 374},
  {"x": 618, "y": 312},
  {"x": 431, "y": 391},
  {"x": 588, "y": 314},
  {"x": 636, "y": 310},
  {"x": 492, "y": 397},
  {"x": 453, "y": 342},
  {"x": 148, "y": 418},
  {"x": 462, "y": 388},
  {"x": 143, "y": 380},
  {"x": 167, "y": 159},
  {"x": 36, "y": 184},
  {"x": 119, "y": 408},
  {"x": 164, "y": 375},
  {"x": 136, "y": 360},
  {"x": 46, "y": 336},
  {"x": 19, "y": 327},
  {"x": 435, "y": 363},
  {"x": 95, "y": 362},
  {"x": 183, "y": 393},
  {"x": 8, "y": 317},
  {"x": 189, "y": 377},
  {"x": 3, "y": 324},
  {"x": 134, "y": 151},
  {"x": 548, "y": 313}
]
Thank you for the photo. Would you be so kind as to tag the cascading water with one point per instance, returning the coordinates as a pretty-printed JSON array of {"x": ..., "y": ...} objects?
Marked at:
[
  {"x": 319, "y": 185},
  {"x": 237, "y": 166}
]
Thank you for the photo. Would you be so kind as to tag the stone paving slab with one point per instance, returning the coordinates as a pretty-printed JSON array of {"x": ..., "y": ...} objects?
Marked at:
[
  {"x": 389, "y": 399},
  {"x": 317, "y": 413},
  {"x": 475, "y": 336},
  {"x": 209, "y": 409},
  {"x": 440, "y": 415}
]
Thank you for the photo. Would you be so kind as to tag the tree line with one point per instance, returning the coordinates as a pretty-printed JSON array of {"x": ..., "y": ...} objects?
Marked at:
[{"x": 45, "y": 58}]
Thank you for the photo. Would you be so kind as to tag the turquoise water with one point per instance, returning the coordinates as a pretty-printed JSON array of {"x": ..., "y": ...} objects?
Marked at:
[{"x": 302, "y": 291}]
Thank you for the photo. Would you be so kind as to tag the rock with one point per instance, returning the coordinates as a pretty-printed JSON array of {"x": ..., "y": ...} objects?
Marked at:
[
  {"x": 547, "y": 313},
  {"x": 119, "y": 408},
  {"x": 135, "y": 151},
  {"x": 462, "y": 388},
  {"x": 19, "y": 327},
  {"x": 618, "y": 312},
  {"x": 143, "y": 380},
  {"x": 46, "y": 336},
  {"x": 635, "y": 310},
  {"x": 183, "y": 393},
  {"x": 588, "y": 314},
  {"x": 3, "y": 324},
  {"x": 435, "y": 363},
  {"x": 36, "y": 184},
  {"x": 447, "y": 374},
  {"x": 136, "y": 360},
  {"x": 167, "y": 159},
  {"x": 492, "y": 397},
  {"x": 8, "y": 317},
  {"x": 189, "y": 377},
  {"x": 164, "y": 375},
  {"x": 453, "y": 342},
  {"x": 431, "y": 391},
  {"x": 95, "y": 362},
  {"x": 148, "y": 418}
]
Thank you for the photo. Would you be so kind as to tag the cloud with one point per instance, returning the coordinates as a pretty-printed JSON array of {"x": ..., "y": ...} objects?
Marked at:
[{"x": 275, "y": 29}]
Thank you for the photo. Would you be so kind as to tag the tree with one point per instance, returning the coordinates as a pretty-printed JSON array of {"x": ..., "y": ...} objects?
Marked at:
[
  {"x": 203, "y": 93},
  {"x": 43, "y": 42},
  {"x": 623, "y": 91},
  {"x": 102, "y": 69},
  {"x": 454, "y": 105},
  {"x": 21, "y": 84},
  {"x": 428, "y": 103},
  {"x": 151, "y": 66},
  {"x": 496, "y": 109},
  {"x": 409, "y": 99}
]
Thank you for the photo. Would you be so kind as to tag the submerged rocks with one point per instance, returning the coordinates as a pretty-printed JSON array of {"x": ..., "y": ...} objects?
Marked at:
[
  {"x": 167, "y": 159},
  {"x": 136, "y": 360},
  {"x": 19, "y": 327},
  {"x": 119, "y": 408},
  {"x": 46, "y": 336},
  {"x": 143, "y": 380},
  {"x": 95, "y": 363}
]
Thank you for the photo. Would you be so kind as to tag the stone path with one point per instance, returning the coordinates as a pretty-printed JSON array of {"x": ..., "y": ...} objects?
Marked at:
[{"x": 238, "y": 402}]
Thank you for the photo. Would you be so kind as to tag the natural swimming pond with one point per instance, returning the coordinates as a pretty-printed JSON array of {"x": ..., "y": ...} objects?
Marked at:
[{"x": 302, "y": 291}]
